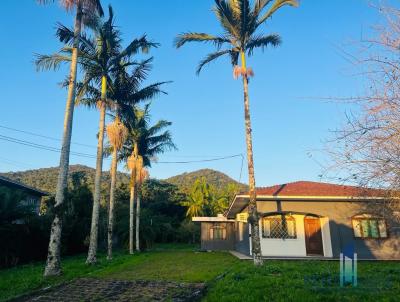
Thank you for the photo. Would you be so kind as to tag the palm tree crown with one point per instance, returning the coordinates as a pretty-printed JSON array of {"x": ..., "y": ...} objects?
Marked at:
[
  {"x": 240, "y": 22},
  {"x": 149, "y": 140},
  {"x": 99, "y": 56},
  {"x": 88, "y": 6}
]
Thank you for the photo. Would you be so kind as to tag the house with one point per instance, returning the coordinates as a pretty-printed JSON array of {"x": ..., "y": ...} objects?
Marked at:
[
  {"x": 309, "y": 219},
  {"x": 31, "y": 195}
]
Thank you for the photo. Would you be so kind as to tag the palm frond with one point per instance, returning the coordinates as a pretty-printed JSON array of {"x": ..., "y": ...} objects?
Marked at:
[
  {"x": 183, "y": 38},
  {"x": 89, "y": 6},
  {"x": 259, "y": 5},
  {"x": 224, "y": 14},
  {"x": 66, "y": 35},
  {"x": 262, "y": 42},
  {"x": 160, "y": 125},
  {"x": 146, "y": 93},
  {"x": 138, "y": 44},
  {"x": 211, "y": 57},
  {"x": 274, "y": 7},
  {"x": 243, "y": 16},
  {"x": 234, "y": 57},
  {"x": 47, "y": 62}
]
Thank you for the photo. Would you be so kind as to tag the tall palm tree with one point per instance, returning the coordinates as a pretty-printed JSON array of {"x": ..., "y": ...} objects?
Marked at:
[
  {"x": 116, "y": 133},
  {"x": 144, "y": 142},
  {"x": 141, "y": 176},
  {"x": 240, "y": 21},
  {"x": 100, "y": 57},
  {"x": 84, "y": 10},
  {"x": 124, "y": 93}
]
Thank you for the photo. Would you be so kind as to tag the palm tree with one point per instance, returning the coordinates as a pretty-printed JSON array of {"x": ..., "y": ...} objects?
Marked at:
[
  {"x": 116, "y": 133},
  {"x": 195, "y": 203},
  {"x": 84, "y": 10},
  {"x": 125, "y": 92},
  {"x": 141, "y": 177},
  {"x": 144, "y": 142},
  {"x": 240, "y": 22},
  {"x": 101, "y": 58}
]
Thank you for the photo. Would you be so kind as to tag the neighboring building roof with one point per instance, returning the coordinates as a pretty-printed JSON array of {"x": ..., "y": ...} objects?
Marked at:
[
  {"x": 306, "y": 191},
  {"x": 15, "y": 184},
  {"x": 311, "y": 188}
]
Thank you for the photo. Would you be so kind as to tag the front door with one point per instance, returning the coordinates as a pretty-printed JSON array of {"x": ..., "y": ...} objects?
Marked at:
[{"x": 312, "y": 229}]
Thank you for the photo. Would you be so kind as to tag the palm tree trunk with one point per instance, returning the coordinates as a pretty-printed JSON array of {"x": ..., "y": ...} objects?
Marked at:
[
  {"x": 131, "y": 207},
  {"x": 137, "y": 222},
  {"x": 113, "y": 171},
  {"x": 91, "y": 259},
  {"x": 253, "y": 214},
  {"x": 53, "y": 264}
]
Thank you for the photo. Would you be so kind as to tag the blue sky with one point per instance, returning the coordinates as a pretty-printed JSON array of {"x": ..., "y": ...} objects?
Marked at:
[{"x": 290, "y": 118}]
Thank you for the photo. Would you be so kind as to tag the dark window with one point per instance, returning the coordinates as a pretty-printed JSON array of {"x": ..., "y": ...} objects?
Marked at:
[
  {"x": 279, "y": 226},
  {"x": 218, "y": 232},
  {"x": 368, "y": 226}
]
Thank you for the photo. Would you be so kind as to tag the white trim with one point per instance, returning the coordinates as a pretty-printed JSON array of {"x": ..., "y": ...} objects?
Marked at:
[{"x": 326, "y": 237}]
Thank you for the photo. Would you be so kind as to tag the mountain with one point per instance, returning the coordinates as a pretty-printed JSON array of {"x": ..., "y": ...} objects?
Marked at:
[
  {"x": 45, "y": 179},
  {"x": 218, "y": 179}
]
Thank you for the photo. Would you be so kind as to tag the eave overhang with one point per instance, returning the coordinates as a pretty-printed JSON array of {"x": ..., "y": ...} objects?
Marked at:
[{"x": 241, "y": 201}]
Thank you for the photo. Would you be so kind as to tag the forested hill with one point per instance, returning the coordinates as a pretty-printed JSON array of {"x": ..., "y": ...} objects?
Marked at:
[
  {"x": 218, "y": 179},
  {"x": 46, "y": 178}
]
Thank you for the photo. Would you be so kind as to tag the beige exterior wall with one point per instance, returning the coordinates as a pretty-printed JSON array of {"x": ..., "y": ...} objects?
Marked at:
[{"x": 336, "y": 228}]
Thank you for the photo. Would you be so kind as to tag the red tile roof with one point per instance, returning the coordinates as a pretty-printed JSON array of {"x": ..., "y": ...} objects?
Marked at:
[{"x": 310, "y": 188}]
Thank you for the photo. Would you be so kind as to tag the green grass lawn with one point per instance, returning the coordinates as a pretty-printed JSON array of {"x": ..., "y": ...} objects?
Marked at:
[{"x": 228, "y": 278}]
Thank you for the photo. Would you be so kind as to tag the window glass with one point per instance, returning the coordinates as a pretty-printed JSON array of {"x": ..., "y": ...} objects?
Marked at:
[
  {"x": 373, "y": 224},
  {"x": 357, "y": 228},
  {"x": 279, "y": 227},
  {"x": 291, "y": 226},
  {"x": 217, "y": 232},
  {"x": 367, "y": 226},
  {"x": 382, "y": 228},
  {"x": 267, "y": 228}
]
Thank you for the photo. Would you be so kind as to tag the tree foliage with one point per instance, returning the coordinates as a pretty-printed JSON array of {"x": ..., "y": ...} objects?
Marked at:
[{"x": 205, "y": 199}]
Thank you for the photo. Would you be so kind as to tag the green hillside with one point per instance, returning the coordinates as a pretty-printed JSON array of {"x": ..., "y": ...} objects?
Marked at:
[
  {"x": 46, "y": 178},
  {"x": 218, "y": 179}
]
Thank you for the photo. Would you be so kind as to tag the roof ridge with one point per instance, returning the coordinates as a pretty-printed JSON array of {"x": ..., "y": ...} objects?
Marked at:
[
  {"x": 315, "y": 182},
  {"x": 25, "y": 186}
]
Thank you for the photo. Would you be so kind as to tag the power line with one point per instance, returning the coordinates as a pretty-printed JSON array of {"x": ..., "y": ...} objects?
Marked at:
[
  {"x": 241, "y": 168},
  {"x": 44, "y": 136},
  {"x": 198, "y": 161},
  {"x": 39, "y": 146},
  {"x": 53, "y": 149}
]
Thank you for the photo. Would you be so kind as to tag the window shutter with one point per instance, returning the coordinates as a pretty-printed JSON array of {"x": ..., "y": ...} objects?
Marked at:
[{"x": 211, "y": 233}]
